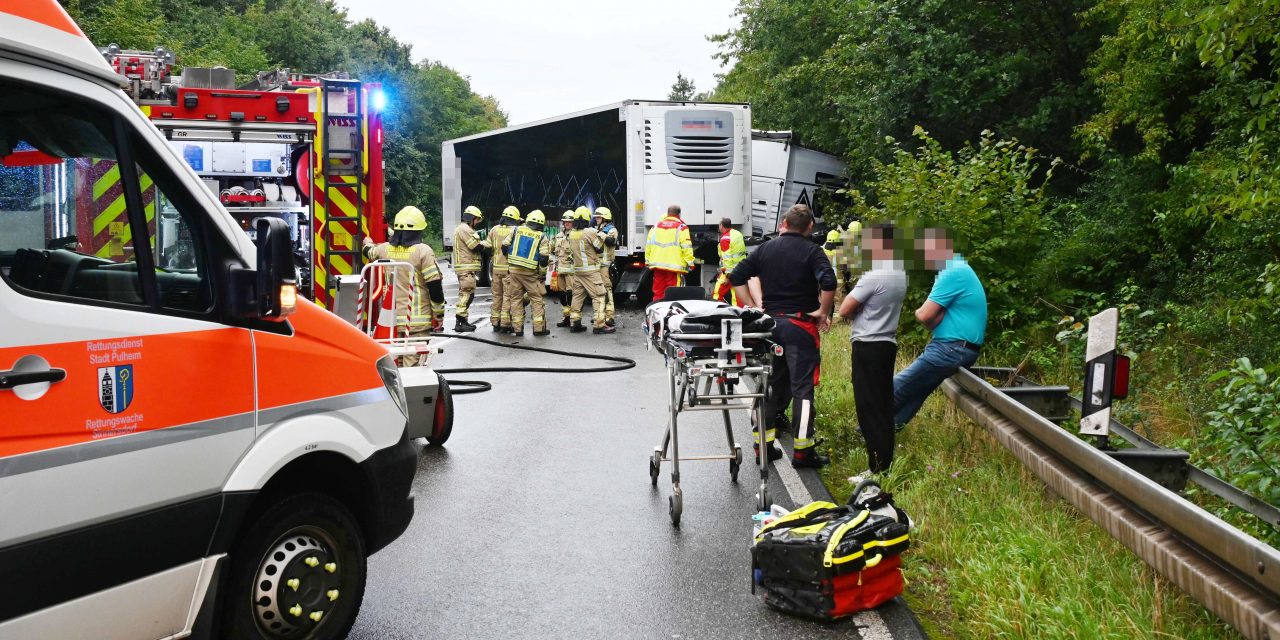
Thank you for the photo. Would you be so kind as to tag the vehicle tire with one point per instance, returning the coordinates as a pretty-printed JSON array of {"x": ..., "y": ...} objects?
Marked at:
[
  {"x": 443, "y": 427},
  {"x": 310, "y": 537},
  {"x": 644, "y": 295}
]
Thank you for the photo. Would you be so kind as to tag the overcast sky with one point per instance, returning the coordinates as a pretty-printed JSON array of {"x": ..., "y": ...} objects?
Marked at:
[{"x": 542, "y": 58}]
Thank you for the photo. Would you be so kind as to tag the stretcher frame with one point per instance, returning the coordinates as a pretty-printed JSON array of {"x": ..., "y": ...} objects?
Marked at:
[
  {"x": 402, "y": 318},
  {"x": 696, "y": 362}
]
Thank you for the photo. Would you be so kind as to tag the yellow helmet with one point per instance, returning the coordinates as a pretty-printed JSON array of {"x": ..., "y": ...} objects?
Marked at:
[
  {"x": 833, "y": 235},
  {"x": 511, "y": 212},
  {"x": 472, "y": 211},
  {"x": 582, "y": 213},
  {"x": 605, "y": 213},
  {"x": 410, "y": 219},
  {"x": 568, "y": 216},
  {"x": 536, "y": 216},
  {"x": 855, "y": 225}
]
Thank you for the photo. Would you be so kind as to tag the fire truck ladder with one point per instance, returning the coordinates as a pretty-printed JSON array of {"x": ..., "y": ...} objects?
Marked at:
[{"x": 342, "y": 167}]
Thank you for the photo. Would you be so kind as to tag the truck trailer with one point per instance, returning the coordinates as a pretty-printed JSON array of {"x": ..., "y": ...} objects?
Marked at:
[{"x": 635, "y": 157}]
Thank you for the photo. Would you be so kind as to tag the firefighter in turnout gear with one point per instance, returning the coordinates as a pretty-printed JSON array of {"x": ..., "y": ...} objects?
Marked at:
[
  {"x": 609, "y": 233},
  {"x": 732, "y": 248},
  {"x": 835, "y": 250},
  {"x": 852, "y": 245},
  {"x": 499, "y": 315},
  {"x": 668, "y": 252},
  {"x": 426, "y": 312},
  {"x": 585, "y": 250},
  {"x": 564, "y": 268},
  {"x": 467, "y": 246},
  {"x": 527, "y": 252}
]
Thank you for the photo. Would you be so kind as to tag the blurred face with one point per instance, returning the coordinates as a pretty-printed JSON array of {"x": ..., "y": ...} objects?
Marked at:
[
  {"x": 873, "y": 243},
  {"x": 937, "y": 250}
]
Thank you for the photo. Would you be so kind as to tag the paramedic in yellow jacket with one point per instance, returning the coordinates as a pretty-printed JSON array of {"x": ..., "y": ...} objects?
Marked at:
[
  {"x": 732, "y": 249},
  {"x": 467, "y": 246},
  {"x": 499, "y": 315},
  {"x": 527, "y": 251},
  {"x": 420, "y": 292},
  {"x": 603, "y": 220},
  {"x": 564, "y": 267},
  {"x": 585, "y": 249},
  {"x": 668, "y": 252}
]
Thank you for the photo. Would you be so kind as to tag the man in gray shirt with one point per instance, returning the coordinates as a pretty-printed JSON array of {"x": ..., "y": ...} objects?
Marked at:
[{"x": 874, "y": 306}]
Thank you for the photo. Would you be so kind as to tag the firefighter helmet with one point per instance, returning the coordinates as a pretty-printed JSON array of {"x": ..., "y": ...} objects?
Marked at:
[
  {"x": 568, "y": 216},
  {"x": 605, "y": 213},
  {"x": 536, "y": 216},
  {"x": 472, "y": 211},
  {"x": 410, "y": 219},
  {"x": 582, "y": 213},
  {"x": 833, "y": 235},
  {"x": 511, "y": 212}
]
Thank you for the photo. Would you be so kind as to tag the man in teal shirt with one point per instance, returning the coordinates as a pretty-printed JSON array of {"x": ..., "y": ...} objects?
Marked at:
[{"x": 956, "y": 312}]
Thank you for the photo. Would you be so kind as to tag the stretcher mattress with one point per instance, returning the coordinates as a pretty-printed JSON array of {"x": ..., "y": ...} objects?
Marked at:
[{"x": 669, "y": 319}]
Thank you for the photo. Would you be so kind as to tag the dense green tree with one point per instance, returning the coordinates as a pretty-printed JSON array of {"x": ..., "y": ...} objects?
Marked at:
[{"x": 683, "y": 89}]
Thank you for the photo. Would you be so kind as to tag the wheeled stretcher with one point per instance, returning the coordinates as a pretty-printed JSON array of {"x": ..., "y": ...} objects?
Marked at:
[{"x": 718, "y": 358}]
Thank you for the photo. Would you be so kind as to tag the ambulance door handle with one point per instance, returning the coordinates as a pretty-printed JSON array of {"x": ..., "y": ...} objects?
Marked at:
[{"x": 11, "y": 379}]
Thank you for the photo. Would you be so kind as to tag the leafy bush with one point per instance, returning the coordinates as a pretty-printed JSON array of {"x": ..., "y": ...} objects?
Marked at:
[{"x": 1245, "y": 432}]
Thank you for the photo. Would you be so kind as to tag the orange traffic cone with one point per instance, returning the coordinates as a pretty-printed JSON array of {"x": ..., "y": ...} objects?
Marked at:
[{"x": 385, "y": 329}]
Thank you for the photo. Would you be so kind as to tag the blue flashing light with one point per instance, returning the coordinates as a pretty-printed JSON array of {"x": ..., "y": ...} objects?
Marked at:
[{"x": 378, "y": 100}]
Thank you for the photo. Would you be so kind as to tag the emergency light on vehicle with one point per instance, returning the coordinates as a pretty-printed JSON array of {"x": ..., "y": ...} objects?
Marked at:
[{"x": 288, "y": 299}]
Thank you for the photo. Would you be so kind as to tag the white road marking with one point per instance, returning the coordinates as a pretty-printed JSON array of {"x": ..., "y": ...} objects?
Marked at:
[{"x": 871, "y": 626}]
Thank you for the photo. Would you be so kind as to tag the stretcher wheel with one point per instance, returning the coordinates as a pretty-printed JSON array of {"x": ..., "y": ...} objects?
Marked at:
[
  {"x": 674, "y": 506},
  {"x": 653, "y": 473},
  {"x": 762, "y": 500},
  {"x": 733, "y": 470}
]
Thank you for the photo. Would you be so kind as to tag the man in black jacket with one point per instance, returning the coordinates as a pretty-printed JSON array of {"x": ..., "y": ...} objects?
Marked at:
[{"x": 798, "y": 286}]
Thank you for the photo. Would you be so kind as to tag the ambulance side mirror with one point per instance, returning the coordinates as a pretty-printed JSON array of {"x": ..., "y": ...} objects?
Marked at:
[
  {"x": 270, "y": 291},
  {"x": 277, "y": 288}
]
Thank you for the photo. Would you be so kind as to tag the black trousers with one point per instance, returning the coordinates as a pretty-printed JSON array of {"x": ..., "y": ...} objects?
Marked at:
[
  {"x": 793, "y": 377},
  {"x": 872, "y": 370}
]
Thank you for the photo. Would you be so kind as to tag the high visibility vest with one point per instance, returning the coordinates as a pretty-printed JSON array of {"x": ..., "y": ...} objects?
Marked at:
[
  {"x": 525, "y": 248},
  {"x": 669, "y": 246},
  {"x": 732, "y": 249}
]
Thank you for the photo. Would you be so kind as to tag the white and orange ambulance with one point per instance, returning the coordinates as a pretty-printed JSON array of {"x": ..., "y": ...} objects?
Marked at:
[{"x": 179, "y": 453}]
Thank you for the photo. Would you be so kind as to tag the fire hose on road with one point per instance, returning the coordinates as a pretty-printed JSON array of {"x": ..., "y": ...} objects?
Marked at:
[{"x": 479, "y": 386}]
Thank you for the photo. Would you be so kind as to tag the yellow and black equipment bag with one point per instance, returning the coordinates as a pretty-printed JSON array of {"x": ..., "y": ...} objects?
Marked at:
[{"x": 826, "y": 562}]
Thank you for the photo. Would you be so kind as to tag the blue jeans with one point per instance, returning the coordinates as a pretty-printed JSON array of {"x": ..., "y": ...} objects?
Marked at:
[{"x": 912, "y": 385}]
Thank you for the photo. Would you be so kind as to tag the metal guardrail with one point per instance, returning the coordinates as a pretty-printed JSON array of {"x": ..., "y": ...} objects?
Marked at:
[{"x": 1232, "y": 574}]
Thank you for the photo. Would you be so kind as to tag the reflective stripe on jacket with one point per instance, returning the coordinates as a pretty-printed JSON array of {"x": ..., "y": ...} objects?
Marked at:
[
  {"x": 669, "y": 246},
  {"x": 584, "y": 250},
  {"x": 498, "y": 237}
]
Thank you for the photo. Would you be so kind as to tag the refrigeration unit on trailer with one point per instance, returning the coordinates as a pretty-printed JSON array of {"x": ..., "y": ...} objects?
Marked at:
[
  {"x": 635, "y": 157},
  {"x": 783, "y": 174}
]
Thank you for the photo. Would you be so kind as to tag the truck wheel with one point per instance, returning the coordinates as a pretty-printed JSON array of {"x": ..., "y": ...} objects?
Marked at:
[
  {"x": 297, "y": 573},
  {"x": 442, "y": 426}
]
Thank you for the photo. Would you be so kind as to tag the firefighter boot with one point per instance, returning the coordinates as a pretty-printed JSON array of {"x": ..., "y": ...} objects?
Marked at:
[
  {"x": 610, "y": 322},
  {"x": 517, "y": 334},
  {"x": 461, "y": 325},
  {"x": 809, "y": 459},
  {"x": 541, "y": 332},
  {"x": 564, "y": 322},
  {"x": 604, "y": 329},
  {"x": 577, "y": 327},
  {"x": 775, "y": 452}
]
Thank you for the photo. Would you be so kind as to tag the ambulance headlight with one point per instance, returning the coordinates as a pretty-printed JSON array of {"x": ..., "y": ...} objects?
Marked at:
[{"x": 390, "y": 374}]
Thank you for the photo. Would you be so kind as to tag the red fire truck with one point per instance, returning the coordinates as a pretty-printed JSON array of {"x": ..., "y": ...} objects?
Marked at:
[{"x": 260, "y": 147}]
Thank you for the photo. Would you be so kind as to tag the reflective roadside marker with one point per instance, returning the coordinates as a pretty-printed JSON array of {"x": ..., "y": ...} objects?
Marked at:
[{"x": 1106, "y": 375}]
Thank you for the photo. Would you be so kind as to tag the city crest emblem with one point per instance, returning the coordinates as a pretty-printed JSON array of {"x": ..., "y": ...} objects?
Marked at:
[{"x": 115, "y": 387}]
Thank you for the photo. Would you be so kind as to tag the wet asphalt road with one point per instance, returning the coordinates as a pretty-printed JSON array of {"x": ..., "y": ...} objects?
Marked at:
[{"x": 538, "y": 520}]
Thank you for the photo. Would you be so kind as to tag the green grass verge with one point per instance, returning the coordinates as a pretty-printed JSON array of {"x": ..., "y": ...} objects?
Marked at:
[{"x": 994, "y": 554}]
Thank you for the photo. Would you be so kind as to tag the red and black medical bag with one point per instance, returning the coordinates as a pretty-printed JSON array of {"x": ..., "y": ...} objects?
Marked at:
[{"x": 826, "y": 562}]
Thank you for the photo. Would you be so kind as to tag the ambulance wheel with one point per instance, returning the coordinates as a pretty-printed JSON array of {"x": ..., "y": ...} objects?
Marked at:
[
  {"x": 675, "y": 506},
  {"x": 298, "y": 572},
  {"x": 442, "y": 426}
]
